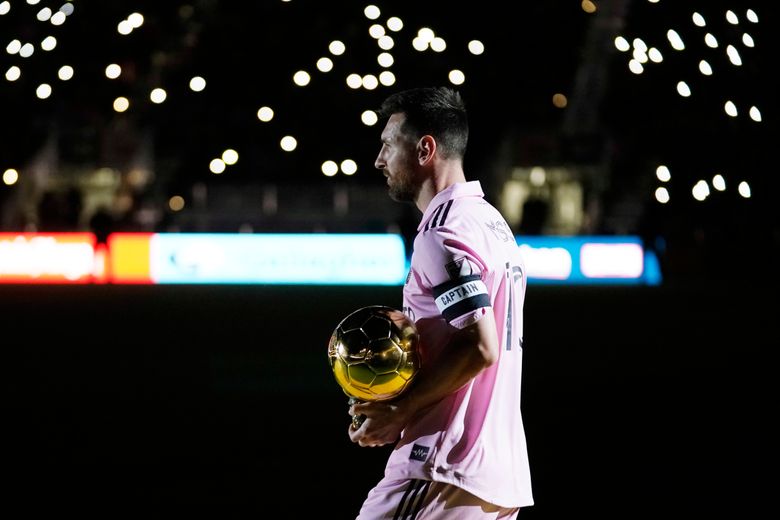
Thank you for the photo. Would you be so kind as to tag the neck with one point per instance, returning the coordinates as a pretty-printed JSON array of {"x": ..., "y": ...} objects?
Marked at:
[{"x": 443, "y": 176}]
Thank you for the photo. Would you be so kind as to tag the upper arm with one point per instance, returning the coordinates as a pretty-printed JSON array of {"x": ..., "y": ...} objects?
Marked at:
[
  {"x": 455, "y": 273},
  {"x": 481, "y": 337}
]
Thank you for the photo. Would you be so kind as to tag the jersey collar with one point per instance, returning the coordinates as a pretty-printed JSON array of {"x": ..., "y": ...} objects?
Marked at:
[{"x": 456, "y": 191}]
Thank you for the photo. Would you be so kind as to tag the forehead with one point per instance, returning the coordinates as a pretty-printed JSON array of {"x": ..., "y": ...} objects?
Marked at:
[{"x": 393, "y": 127}]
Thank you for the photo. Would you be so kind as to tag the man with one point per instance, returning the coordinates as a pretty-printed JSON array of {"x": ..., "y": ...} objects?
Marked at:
[{"x": 461, "y": 450}]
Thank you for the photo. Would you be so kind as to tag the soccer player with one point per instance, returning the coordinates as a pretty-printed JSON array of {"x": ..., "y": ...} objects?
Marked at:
[{"x": 461, "y": 450}]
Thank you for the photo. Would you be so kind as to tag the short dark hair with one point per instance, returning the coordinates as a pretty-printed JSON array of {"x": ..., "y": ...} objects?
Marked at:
[{"x": 436, "y": 111}]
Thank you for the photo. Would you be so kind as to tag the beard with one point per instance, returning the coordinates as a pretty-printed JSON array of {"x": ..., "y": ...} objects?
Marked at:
[{"x": 403, "y": 188}]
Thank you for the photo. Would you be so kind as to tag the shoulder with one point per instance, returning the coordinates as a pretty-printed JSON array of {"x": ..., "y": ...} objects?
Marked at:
[{"x": 456, "y": 215}]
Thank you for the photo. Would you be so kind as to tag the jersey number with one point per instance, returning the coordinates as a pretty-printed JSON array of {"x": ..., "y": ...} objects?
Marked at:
[{"x": 513, "y": 275}]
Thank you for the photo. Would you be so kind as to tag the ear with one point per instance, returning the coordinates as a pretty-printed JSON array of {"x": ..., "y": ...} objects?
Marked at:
[{"x": 426, "y": 149}]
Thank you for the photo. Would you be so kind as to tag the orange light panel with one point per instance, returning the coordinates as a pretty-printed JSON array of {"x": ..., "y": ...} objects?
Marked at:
[{"x": 129, "y": 257}]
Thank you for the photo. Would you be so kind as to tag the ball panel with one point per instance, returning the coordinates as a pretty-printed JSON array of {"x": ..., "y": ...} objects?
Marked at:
[
  {"x": 357, "y": 318},
  {"x": 408, "y": 366},
  {"x": 388, "y": 385},
  {"x": 340, "y": 372},
  {"x": 363, "y": 392},
  {"x": 361, "y": 375},
  {"x": 377, "y": 326},
  {"x": 407, "y": 342},
  {"x": 353, "y": 346},
  {"x": 385, "y": 356}
]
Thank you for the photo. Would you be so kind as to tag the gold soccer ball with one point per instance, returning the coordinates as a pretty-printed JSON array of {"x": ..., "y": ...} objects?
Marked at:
[{"x": 374, "y": 354}]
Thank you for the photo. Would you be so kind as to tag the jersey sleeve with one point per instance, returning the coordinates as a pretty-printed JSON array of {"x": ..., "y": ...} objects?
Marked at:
[{"x": 454, "y": 272}]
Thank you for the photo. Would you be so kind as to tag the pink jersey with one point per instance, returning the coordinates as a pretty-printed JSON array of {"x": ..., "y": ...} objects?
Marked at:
[{"x": 466, "y": 259}]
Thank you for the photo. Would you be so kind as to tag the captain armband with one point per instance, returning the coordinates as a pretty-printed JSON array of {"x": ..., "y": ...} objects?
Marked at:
[{"x": 461, "y": 296}]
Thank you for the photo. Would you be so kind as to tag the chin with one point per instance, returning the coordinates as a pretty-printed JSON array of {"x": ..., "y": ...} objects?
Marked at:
[{"x": 401, "y": 196}]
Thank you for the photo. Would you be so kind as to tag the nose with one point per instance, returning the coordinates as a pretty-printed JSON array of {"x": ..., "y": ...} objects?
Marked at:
[{"x": 379, "y": 162}]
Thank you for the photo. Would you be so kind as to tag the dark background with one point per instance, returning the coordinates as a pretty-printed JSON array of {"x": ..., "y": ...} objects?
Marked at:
[{"x": 218, "y": 401}]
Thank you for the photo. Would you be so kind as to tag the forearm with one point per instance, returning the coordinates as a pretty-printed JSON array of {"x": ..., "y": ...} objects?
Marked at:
[{"x": 469, "y": 351}]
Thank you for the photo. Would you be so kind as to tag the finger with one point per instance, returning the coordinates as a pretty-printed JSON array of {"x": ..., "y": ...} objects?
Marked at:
[
  {"x": 359, "y": 408},
  {"x": 371, "y": 444}
]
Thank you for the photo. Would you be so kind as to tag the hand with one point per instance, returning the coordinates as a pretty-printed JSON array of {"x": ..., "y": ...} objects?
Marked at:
[
  {"x": 382, "y": 425},
  {"x": 357, "y": 420}
]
